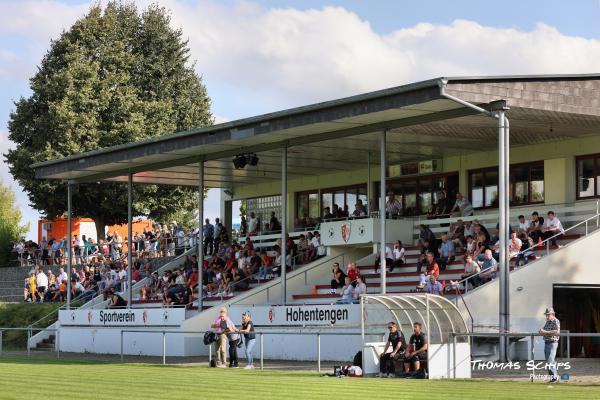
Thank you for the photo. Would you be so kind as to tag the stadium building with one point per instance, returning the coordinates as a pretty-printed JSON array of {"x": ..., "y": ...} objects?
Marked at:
[{"x": 511, "y": 145}]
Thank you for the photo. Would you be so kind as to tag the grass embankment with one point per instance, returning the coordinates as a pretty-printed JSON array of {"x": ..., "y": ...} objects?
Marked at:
[
  {"x": 22, "y": 315},
  {"x": 133, "y": 381}
]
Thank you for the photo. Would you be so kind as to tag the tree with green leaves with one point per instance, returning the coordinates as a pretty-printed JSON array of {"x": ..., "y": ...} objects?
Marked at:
[
  {"x": 117, "y": 75},
  {"x": 11, "y": 229}
]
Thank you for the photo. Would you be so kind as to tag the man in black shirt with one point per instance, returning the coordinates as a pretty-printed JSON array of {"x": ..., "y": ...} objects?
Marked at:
[
  {"x": 396, "y": 340},
  {"x": 417, "y": 349}
]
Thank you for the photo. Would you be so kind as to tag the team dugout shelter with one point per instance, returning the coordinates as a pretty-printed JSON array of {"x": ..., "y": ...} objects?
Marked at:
[{"x": 501, "y": 141}]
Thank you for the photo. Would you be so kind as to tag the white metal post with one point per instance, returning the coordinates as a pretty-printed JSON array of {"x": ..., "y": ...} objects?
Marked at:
[
  {"x": 369, "y": 185},
  {"x": 382, "y": 213},
  {"x": 283, "y": 249},
  {"x": 129, "y": 238},
  {"x": 200, "y": 239},
  {"x": 507, "y": 227},
  {"x": 502, "y": 233},
  {"x": 69, "y": 244}
]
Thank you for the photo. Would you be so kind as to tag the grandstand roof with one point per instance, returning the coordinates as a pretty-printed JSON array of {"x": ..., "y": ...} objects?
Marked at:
[{"x": 336, "y": 135}]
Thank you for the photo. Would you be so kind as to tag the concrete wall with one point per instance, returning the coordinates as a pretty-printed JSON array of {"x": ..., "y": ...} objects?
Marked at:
[{"x": 531, "y": 288}]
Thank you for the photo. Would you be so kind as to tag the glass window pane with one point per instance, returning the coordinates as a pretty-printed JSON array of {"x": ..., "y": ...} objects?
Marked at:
[
  {"x": 351, "y": 199},
  {"x": 362, "y": 195},
  {"x": 339, "y": 199},
  {"x": 409, "y": 191},
  {"x": 586, "y": 179},
  {"x": 491, "y": 189},
  {"x": 520, "y": 180},
  {"x": 537, "y": 184},
  {"x": 327, "y": 201},
  {"x": 477, "y": 189},
  {"x": 313, "y": 205},
  {"x": 302, "y": 205},
  {"x": 425, "y": 195}
]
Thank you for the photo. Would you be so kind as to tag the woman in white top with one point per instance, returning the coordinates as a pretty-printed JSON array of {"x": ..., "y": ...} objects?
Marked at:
[{"x": 398, "y": 255}]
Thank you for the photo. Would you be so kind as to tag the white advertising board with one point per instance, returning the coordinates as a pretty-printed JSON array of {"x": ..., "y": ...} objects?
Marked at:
[
  {"x": 138, "y": 317},
  {"x": 299, "y": 315}
]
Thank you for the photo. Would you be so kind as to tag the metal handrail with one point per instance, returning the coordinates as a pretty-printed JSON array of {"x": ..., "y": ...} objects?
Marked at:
[{"x": 530, "y": 248}]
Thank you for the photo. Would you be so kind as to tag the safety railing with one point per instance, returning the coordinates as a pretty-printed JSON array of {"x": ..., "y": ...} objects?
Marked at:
[
  {"x": 30, "y": 330},
  {"x": 260, "y": 334},
  {"x": 464, "y": 283}
]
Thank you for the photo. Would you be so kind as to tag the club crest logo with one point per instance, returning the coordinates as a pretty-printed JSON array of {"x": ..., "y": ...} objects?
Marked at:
[
  {"x": 271, "y": 315},
  {"x": 346, "y": 230}
]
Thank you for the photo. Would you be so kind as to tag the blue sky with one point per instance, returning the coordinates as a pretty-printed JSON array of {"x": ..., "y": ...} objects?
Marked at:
[{"x": 260, "y": 56}]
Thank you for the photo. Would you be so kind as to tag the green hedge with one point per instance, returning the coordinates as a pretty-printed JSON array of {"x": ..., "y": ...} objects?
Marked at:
[{"x": 22, "y": 315}]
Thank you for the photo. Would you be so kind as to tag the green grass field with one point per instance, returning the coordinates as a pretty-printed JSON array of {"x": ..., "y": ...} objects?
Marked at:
[{"x": 21, "y": 378}]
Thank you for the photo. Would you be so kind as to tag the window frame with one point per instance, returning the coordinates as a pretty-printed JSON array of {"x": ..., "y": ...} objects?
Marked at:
[
  {"x": 596, "y": 158},
  {"x": 512, "y": 183}
]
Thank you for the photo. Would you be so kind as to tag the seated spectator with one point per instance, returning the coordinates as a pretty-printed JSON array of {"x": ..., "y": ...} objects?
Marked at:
[
  {"x": 319, "y": 249},
  {"x": 488, "y": 266},
  {"x": 253, "y": 224},
  {"x": 398, "y": 255},
  {"x": 307, "y": 222},
  {"x": 360, "y": 289},
  {"x": 468, "y": 229},
  {"x": 346, "y": 292},
  {"x": 471, "y": 270},
  {"x": 535, "y": 227},
  {"x": 352, "y": 272},
  {"x": 433, "y": 286},
  {"x": 389, "y": 258},
  {"x": 417, "y": 349},
  {"x": 327, "y": 215},
  {"x": 426, "y": 236},
  {"x": 524, "y": 225},
  {"x": 387, "y": 366},
  {"x": 114, "y": 300},
  {"x": 447, "y": 252},
  {"x": 514, "y": 247},
  {"x": 432, "y": 270},
  {"x": 462, "y": 206},
  {"x": 266, "y": 264},
  {"x": 526, "y": 249},
  {"x": 552, "y": 228},
  {"x": 456, "y": 234},
  {"x": 304, "y": 250},
  {"x": 441, "y": 207},
  {"x": 338, "y": 278},
  {"x": 393, "y": 208},
  {"x": 359, "y": 210}
]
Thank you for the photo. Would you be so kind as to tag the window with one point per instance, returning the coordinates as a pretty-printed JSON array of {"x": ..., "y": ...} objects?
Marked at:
[
  {"x": 526, "y": 185},
  {"x": 588, "y": 174},
  {"x": 262, "y": 208},
  {"x": 417, "y": 194},
  {"x": 307, "y": 203}
]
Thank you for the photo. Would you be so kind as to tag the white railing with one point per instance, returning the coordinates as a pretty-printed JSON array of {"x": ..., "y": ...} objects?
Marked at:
[{"x": 593, "y": 220}]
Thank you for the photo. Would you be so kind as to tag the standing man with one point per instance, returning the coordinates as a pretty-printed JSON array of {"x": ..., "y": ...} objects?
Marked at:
[
  {"x": 208, "y": 231},
  {"x": 222, "y": 326},
  {"x": 387, "y": 367},
  {"x": 550, "y": 331}
]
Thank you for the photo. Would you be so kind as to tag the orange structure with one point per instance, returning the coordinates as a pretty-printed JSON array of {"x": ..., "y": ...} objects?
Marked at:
[{"x": 57, "y": 228}]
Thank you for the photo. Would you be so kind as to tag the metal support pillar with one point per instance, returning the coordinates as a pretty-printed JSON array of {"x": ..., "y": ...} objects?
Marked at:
[
  {"x": 502, "y": 233},
  {"x": 369, "y": 204},
  {"x": 69, "y": 244},
  {"x": 283, "y": 265},
  {"x": 382, "y": 213},
  {"x": 507, "y": 227},
  {"x": 129, "y": 238},
  {"x": 200, "y": 239}
]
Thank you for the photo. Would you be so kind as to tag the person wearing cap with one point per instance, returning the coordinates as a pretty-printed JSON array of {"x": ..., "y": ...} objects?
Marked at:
[
  {"x": 249, "y": 338},
  {"x": 550, "y": 332}
]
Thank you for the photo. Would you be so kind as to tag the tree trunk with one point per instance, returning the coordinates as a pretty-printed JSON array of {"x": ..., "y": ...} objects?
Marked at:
[{"x": 100, "y": 224}]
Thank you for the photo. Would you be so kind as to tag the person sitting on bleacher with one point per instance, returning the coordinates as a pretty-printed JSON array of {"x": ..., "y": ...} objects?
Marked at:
[
  {"x": 387, "y": 366},
  {"x": 552, "y": 228},
  {"x": 361, "y": 288},
  {"x": 417, "y": 349},
  {"x": 434, "y": 286},
  {"x": 447, "y": 252},
  {"x": 489, "y": 266}
]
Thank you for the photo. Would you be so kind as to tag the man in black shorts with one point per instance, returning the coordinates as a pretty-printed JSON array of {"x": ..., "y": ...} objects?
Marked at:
[
  {"x": 417, "y": 349},
  {"x": 387, "y": 368}
]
